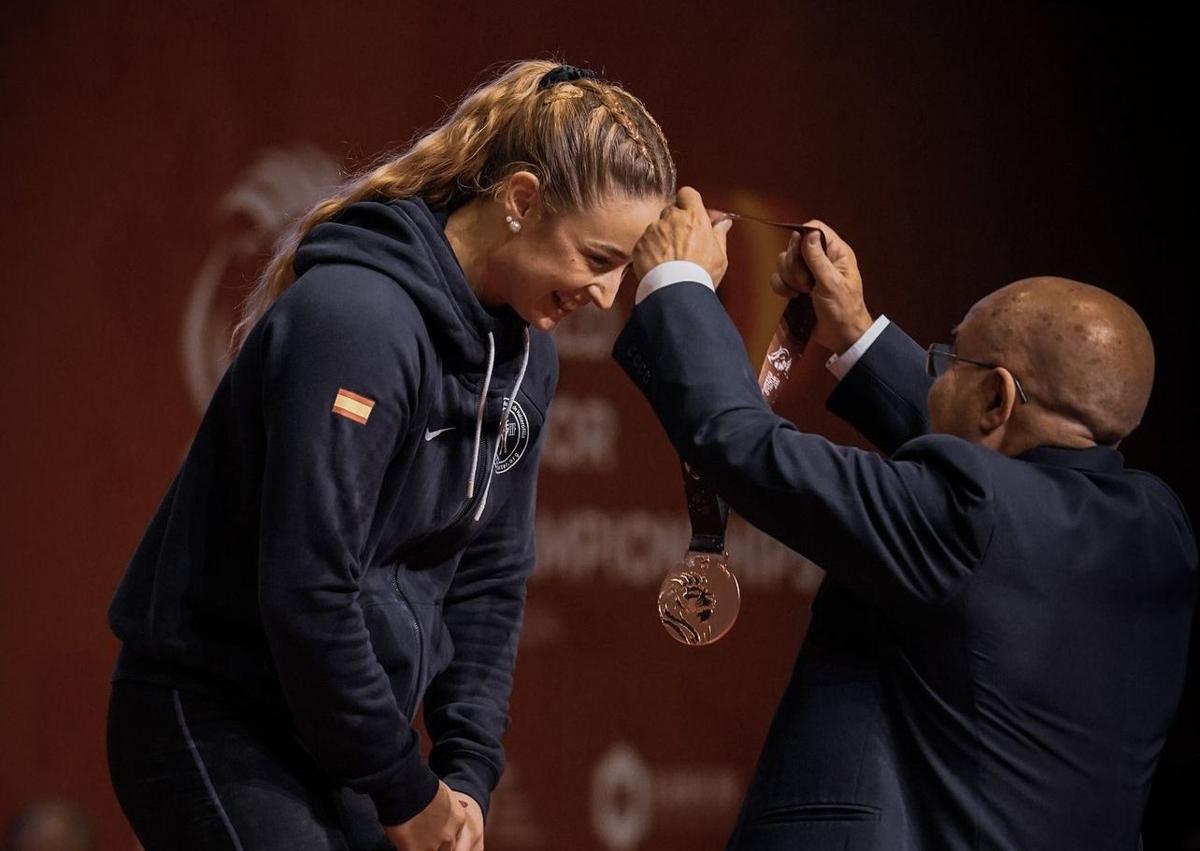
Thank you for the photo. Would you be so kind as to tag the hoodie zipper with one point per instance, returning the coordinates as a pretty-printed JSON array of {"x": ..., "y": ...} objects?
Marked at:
[
  {"x": 481, "y": 450},
  {"x": 462, "y": 512},
  {"x": 416, "y": 691}
]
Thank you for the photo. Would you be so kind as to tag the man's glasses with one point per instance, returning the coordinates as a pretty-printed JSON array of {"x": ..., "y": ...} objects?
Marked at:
[{"x": 939, "y": 355}]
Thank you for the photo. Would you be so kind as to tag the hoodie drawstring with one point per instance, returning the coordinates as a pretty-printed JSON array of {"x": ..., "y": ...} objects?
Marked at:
[
  {"x": 487, "y": 382},
  {"x": 503, "y": 422}
]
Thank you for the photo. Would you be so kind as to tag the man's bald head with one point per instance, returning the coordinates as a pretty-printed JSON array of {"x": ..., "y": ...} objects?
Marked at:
[{"x": 1079, "y": 352}]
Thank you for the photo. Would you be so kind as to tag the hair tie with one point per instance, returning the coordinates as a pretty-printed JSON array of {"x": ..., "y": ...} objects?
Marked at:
[{"x": 565, "y": 74}]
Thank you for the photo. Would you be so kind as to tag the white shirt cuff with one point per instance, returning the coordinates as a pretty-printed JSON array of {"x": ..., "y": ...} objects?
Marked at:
[
  {"x": 672, "y": 272},
  {"x": 841, "y": 364}
]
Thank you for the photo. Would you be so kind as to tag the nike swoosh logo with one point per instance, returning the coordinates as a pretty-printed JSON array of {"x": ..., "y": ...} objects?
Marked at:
[{"x": 430, "y": 435}]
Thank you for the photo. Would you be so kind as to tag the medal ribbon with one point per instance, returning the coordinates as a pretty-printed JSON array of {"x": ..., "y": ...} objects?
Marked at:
[{"x": 708, "y": 512}]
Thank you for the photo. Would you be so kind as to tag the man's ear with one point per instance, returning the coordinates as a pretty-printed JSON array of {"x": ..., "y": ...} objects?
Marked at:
[
  {"x": 1001, "y": 392},
  {"x": 521, "y": 195}
]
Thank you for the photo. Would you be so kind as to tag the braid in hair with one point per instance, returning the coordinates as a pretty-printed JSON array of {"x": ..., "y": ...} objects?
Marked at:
[{"x": 619, "y": 115}]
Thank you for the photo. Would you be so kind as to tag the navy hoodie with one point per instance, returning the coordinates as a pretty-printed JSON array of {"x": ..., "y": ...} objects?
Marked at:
[{"x": 352, "y": 528}]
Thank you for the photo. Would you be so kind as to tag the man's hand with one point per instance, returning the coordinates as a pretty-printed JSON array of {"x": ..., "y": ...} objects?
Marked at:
[
  {"x": 833, "y": 281},
  {"x": 471, "y": 838},
  {"x": 435, "y": 828},
  {"x": 684, "y": 231}
]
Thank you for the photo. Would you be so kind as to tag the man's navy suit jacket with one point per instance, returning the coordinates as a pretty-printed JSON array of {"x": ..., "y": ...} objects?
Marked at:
[{"x": 1019, "y": 625}]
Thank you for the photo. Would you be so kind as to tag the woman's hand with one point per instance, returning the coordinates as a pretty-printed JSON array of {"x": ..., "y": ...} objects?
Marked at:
[
  {"x": 435, "y": 828},
  {"x": 471, "y": 838}
]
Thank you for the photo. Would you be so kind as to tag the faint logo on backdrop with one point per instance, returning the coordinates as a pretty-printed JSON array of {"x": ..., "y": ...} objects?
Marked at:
[
  {"x": 584, "y": 429},
  {"x": 277, "y": 188},
  {"x": 629, "y": 797},
  {"x": 588, "y": 335},
  {"x": 583, "y": 437}
]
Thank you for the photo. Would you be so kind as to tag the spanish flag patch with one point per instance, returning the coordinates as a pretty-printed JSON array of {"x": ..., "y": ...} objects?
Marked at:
[{"x": 352, "y": 406}]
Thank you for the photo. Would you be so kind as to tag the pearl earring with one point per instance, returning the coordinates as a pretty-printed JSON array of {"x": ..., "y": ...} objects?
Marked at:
[{"x": 513, "y": 224}]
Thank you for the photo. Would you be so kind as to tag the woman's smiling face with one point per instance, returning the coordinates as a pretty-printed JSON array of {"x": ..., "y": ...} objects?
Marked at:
[{"x": 560, "y": 262}]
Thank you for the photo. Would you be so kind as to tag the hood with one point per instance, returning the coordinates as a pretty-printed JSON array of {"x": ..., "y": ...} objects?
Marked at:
[{"x": 405, "y": 240}]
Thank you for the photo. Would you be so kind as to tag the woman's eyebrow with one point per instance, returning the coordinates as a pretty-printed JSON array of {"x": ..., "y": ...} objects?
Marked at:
[{"x": 610, "y": 249}]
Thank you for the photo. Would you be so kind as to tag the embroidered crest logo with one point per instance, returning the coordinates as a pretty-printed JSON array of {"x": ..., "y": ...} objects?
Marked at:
[{"x": 514, "y": 440}]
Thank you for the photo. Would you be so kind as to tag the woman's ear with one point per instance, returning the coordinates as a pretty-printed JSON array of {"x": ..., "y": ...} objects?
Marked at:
[{"x": 522, "y": 195}]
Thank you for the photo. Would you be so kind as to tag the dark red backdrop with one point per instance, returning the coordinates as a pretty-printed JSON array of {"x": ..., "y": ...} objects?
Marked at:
[{"x": 147, "y": 149}]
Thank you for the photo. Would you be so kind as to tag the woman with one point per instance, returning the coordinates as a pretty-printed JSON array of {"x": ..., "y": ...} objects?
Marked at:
[{"x": 352, "y": 529}]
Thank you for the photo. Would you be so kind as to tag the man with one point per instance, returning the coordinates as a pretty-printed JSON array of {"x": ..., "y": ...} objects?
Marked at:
[{"x": 1020, "y": 601}]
